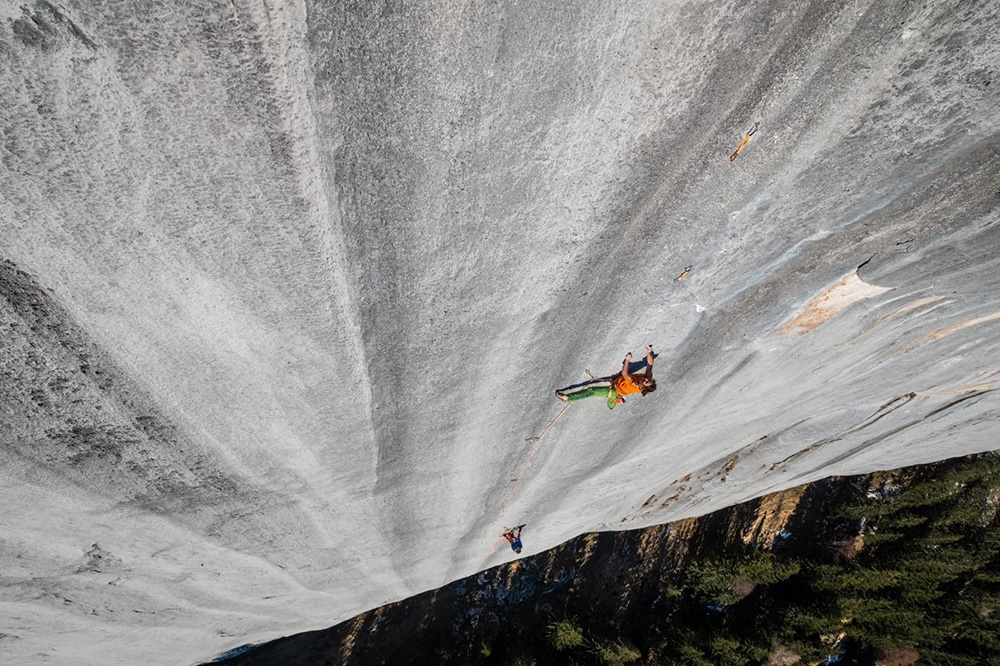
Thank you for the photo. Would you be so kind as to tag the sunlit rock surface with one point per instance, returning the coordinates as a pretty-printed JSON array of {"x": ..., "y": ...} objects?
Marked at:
[{"x": 287, "y": 287}]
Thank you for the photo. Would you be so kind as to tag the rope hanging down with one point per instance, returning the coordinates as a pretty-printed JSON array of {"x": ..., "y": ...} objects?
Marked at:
[{"x": 524, "y": 467}]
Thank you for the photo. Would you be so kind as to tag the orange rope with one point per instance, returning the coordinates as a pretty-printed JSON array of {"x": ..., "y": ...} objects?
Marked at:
[{"x": 517, "y": 479}]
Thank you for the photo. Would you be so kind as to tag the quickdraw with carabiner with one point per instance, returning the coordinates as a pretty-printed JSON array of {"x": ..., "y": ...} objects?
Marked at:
[{"x": 744, "y": 142}]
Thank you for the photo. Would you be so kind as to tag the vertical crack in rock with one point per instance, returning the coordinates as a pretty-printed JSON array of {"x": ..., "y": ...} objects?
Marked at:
[
  {"x": 868, "y": 443},
  {"x": 882, "y": 412}
]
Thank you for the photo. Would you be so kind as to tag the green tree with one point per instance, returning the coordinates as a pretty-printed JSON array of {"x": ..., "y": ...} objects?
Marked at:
[
  {"x": 615, "y": 652},
  {"x": 564, "y": 634},
  {"x": 727, "y": 579}
]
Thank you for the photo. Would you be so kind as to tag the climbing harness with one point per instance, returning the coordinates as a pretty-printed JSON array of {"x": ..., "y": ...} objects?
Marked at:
[{"x": 752, "y": 131}]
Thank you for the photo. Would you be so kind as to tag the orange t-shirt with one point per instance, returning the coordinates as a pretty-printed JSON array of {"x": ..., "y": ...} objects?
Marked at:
[{"x": 627, "y": 386}]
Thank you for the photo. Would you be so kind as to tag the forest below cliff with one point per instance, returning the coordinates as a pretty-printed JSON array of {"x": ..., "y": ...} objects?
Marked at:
[{"x": 892, "y": 568}]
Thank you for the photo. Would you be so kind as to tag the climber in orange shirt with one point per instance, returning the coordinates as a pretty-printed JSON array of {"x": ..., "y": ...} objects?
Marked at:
[{"x": 615, "y": 387}]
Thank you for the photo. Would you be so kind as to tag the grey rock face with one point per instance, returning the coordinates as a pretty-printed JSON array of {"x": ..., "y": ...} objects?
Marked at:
[{"x": 286, "y": 287}]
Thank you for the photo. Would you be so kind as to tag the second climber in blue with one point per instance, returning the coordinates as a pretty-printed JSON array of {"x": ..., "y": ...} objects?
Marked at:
[{"x": 513, "y": 536}]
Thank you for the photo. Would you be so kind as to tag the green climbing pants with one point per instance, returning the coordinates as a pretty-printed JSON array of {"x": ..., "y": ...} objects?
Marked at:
[{"x": 603, "y": 391}]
